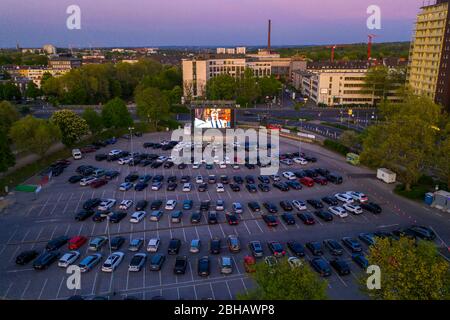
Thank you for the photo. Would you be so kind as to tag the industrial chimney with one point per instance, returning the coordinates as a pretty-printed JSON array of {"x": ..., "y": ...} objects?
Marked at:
[{"x": 268, "y": 35}]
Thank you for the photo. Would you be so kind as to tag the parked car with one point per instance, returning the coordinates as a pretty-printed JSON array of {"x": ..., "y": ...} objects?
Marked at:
[
  {"x": 157, "y": 261},
  {"x": 334, "y": 247},
  {"x": 181, "y": 263},
  {"x": 203, "y": 266},
  {"x": 56, "y": 243},
  {"x": 352, "y": 244},
  {"x": 296, "y": 248},
  {"x": 321, "y": 266},
  {"x": 256, "y": 248},
  {"x": 137, "y": 262},
  {"x": 315, "y": 248},
  {"x": 89, "y": 262},
  {"x": 45, "y": 260},
  {"x": 113, "y": 261},
  {"x": 26, "y": 256}
]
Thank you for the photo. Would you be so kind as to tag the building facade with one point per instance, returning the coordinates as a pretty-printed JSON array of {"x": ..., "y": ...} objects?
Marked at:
[
  {"x": 64, "y": 64},
  {"x": 429, "y": 70}
]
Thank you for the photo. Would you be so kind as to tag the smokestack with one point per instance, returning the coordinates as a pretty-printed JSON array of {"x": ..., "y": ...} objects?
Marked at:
[{"x": 268, "y": 36}]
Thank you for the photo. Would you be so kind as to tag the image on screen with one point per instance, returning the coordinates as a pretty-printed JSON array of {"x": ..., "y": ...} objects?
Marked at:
[{"x": 209, "y": 118}]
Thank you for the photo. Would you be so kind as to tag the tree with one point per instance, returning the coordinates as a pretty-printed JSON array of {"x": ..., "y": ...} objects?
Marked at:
[
  {"x": 269, "y": 86},
  {"x": 221, "y": 87},
  {"x": 282, "y": 282},
  {"x": 7, "y": 158},
  {"x": 405, "y": 141},
  {"x": 8, "y": 115},
  {"x": 248, "y": 90},
  {"x": 383, "y": 82},
  {"x": 442, "y": 154},
  {"x": 9, "y": 91},
  {"x": 72, "y": 126},
  {"x": 350, "y": 139},
  {"x": 115, "y": 114},
  {"x": 34, "y": 135},
  {"x": 32, "y": 91},
  {"x": 93, "y": 119},
  {"x": 409, "y": 271},
  {"x": 152, "y": 105}
]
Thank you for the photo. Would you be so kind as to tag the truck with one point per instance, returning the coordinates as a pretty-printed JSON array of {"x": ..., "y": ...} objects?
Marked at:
[
  {"x": 386, "y": 175},
  {"x": 76, "y": 154}
]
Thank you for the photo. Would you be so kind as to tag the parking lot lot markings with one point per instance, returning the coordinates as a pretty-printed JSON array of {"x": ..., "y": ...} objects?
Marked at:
[
  {"x": 42, "y": 290},
  {"x": 25, "y": 290}
]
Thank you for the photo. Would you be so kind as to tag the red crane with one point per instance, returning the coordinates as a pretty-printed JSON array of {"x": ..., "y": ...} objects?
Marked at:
[
  {"x": 369, "y": 45},
  {"x": 333, "y": 48}
]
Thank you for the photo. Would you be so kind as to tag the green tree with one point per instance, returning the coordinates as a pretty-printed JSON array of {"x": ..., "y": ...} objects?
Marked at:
[
  {"x": 9, "y": 91},
  {"x": 8, "y": 115},
  {"x": 269, "y": 86},
  {"x": 221, "y": 87},
  {"x": 248, "y": 90},
  {"x": 34, "y": 135},
  {"x": 409, "y": 271},
  {"x": 350, "y": 139},
  {"x": 442, "y": 154},
  {"x": 7, "y": 158},
  {"x": 72, "y": 126},
  {"x": 93, "y": 119},
  {"x": 383, "y": 82},
  {"x": 282, "y": 282},
  {"x": 32, "y": 91},
  {"x": 152, "y": 106},
  {"x": 115, "y": 114},
  {"x": 405, "y": 141}
]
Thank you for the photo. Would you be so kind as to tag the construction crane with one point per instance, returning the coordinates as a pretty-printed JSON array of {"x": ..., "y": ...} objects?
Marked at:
[
  {"x": 369, "y": 45},
  {"x": 333, "y": 48}
]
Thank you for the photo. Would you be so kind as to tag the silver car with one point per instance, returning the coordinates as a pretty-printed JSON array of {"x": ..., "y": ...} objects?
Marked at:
[{"x": 68, "y": 258}]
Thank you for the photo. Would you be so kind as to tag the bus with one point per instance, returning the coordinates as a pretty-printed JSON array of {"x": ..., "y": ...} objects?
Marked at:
[{"x": 353, "y": 158}]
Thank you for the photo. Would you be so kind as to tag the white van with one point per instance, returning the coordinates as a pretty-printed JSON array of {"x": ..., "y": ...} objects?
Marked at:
[{"x": 76, "y": 154}]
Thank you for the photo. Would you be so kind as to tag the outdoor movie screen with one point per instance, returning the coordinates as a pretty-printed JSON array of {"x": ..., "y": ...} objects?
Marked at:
[{"x": 208, "y": 118}]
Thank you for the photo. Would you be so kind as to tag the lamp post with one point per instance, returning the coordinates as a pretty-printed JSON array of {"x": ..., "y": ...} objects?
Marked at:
[
  {"x": 108, "y": 234},
  {"x": 131, "y": 138}
]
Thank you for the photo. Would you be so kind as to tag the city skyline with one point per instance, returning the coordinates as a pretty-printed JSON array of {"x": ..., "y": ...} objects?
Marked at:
[{"x": 178, "y": 23}]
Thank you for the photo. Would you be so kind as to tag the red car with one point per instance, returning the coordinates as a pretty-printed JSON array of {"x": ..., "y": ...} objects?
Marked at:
[
  {"x": 307, "y": 181},
  {"x": 232, "y": 219},
  {"x": 321, "y": 180},
  {"x": 249, "y": 264},
  {"x": 76, "y": 242},
  {"x": 98, "y": 183}
]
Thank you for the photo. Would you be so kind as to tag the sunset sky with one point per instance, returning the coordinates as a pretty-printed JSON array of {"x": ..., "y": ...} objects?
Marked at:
[{"x": 201, "y": 22}]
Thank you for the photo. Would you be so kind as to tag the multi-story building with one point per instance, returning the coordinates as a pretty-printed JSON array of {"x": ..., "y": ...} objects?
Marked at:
[
  {"x": 64, "y": 64},
  {"x": 429, "y": 66}
]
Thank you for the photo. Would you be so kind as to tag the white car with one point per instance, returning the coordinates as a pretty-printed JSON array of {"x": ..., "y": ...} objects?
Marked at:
[
  {"x": 195, "y": 165},
  {"x": 125, "y": 186},
  {"x": 338, "y": 211},
  {"x": 358, "y": 196},
  {"x": 275, "y": 177},
  {"x": 294, "y": 262},
  {"x": 138, "y": 216},
  {"x": 187, "y": 187},
  {"x": 236, "y": 166},
  {"x": 344, "y": 197},
  {"x": 68, "y": 258},
  {"x": 289, "y": 175},
  {"x": 220, "y": 205},
  {"x": 299, "y": 205},
  {"x": 162, "y": 159},
  {"x": 199, "y": 179},
  {"x": 113, "y": 261},
  {"x": 300, "y": 161},
  {"x": 125, "y": 204},
  {"x": 237, "y": 207},
  {"x": 107, "y": 204},
  {"x": 222, "y": 165},
  {"x": 114, "y": 152},
  {"x": 153, "y": 244},
  {"x": 353, "y": 208},
  {"x": 287, "y": 162},
  {"x": 220, "y": 187},
  {"x": 170, "y": 204},
  {"x": 87, "y": 181},
  {"x": 123, "y": 161}
]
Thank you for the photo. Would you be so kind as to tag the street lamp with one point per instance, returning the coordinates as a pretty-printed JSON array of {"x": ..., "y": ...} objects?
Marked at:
[{"x": 131, "y": 138}]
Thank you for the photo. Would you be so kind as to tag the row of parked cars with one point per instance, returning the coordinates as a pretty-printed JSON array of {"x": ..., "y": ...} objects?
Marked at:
[{"x": 276, "y": 249}]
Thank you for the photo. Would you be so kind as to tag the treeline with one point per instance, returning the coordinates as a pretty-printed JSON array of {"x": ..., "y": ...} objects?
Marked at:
[
  {"x": 246, "y": 90},
  {"x": 99, "y": 83},
  {"x": 19, "y": 58},
  {"x": 350, "y": 52}
]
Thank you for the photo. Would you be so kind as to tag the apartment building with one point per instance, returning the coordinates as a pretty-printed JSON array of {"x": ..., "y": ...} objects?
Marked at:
[
  {"x": 429, "y": 67},
  {"x": 64, "y": 64}
]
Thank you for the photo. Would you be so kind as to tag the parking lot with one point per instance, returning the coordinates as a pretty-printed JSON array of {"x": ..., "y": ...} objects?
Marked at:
[{"x": 34, "y": 220}]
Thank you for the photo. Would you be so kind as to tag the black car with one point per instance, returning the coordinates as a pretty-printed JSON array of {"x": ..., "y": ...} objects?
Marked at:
[
  {"x": 117, "y": 242},
  {"x": 214, "y": 246},
  {"x": 321, "y": 266},
  {"x": 172, "y": 186},
  {"x": 148, "y": 144},
  {"x": 340, "y": 266},
  {"x": 212, "y": 217},
  {"x": 91, "y": 203},
  {"x": 109, "y": 175},
  {"x": 286, "y": 205},
  {"x": 131, "y": 177},
  {"x": 315, "y": 248},
  {"x": 100, "y": 216},
  {"x": 140, "y": 186},
  {"x": 141, "y": 205},
  {"x": 156, "y": 165},
  {"x": 45, "y": 260},
  {"x": 158, "y": 178},
  {"x": 238, "y": 180},
  {"x": 168, "y": 164},
  {"x": 156, "y": 205},
  {"x": 174, "y": 246},
  {"x": 281, "y": 186},
  {"x": 251, "y": 188},
  {"x": 264, "y": 179},
  {"x": 26, "y": 257},
  {"x": 324, "y": 215},
  {"x": 203, "y": 187},
  {"x": 371, "y": 207},
  {"x": 306, "y": 218},
  {"x": 235, "y": 187},
  {"x": 56, "y": 243},
  {"x": 83, "y": 215},
  {"x": 352, "y": 244},
  {"x": 172, "y": 179},
  {"x": 311, "y": 173},
  {"x": 203, "y": 267},
  {"x": 264, "y": 187},
  {"x": 224, "y": 179},
  {"x": 146, "y": 162},
  {"x": 157, "y": 262},
  {"x": 423, "y": 233},
  {"x": 185, "y": 179},
  {"x": 204, "y": 205},
  {"x": 404, "y": 233},
  {"x": 254, "y": 206},
  {"x": 250, "y": 179},
  {"x": 182, "y": 166},
  {"x": 75, "y": 179},
  {"x": 288, "y": 218},
  {"x": 316, "y": 204},
  {"x": 294, "y": 185},
  {"x": 196, "y": 217},
  {"x": 321, "y": 171},
  {"x": 334, "y": 178},
  {"x": 296, "y": 248},
  {"x": 101, "y": 157},
  {"x": 116, "y": 217},
  {"x": 332, "y": 201},
  {"x": 180, "y": 265},
  {"x": 272, "y": 208},
  {"x": 334, "y": 247}
]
